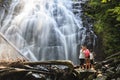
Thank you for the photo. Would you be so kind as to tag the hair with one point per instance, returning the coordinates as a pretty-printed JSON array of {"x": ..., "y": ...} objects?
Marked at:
[
  {"x": 84, "y": 46},
  {"x": 91, "y": 50}
]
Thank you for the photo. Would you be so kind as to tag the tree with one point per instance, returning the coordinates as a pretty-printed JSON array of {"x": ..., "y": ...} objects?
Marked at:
[{"x": 106, "y": 16}]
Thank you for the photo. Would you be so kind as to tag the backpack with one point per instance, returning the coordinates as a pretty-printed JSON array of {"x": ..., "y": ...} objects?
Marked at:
[{"x": 87, "y": 53}]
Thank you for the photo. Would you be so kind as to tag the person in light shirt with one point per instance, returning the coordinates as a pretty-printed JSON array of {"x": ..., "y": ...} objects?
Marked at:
[
  {"x": 92, "y": 59},
  {"x": 82, "y": 57}
]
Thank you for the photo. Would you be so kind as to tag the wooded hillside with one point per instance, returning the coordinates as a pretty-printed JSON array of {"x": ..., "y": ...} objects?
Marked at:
[{"x": 105, "y": 15}]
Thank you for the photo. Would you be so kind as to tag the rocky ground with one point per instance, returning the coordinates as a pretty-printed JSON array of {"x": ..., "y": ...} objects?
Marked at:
[
  {"x": 109, "y": 69},
  {"x": 53, "y": 70}
]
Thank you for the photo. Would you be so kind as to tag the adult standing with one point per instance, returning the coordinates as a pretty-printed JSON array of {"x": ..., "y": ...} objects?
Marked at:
[{"x": 82, "y": 57}]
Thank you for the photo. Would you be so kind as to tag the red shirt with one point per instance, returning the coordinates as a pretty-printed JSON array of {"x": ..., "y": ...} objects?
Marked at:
[{"x": 87, "y": 53}]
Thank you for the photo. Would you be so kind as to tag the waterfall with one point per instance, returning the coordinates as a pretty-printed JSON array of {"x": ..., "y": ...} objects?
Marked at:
[{"x": 44, "y": 29}]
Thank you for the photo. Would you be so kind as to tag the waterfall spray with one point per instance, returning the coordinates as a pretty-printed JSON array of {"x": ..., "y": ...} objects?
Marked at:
[{"x": 44, "y": 29}]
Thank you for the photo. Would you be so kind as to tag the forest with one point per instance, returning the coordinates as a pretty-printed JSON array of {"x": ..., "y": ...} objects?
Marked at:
[{"x": 105, "y": 16}]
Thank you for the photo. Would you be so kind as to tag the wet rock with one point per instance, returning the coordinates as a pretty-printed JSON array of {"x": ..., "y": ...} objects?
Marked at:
[
  {"x": 111, "y": 67},
  {"x": 92, "y": 76},
  {"x": 98, "y": 65}
]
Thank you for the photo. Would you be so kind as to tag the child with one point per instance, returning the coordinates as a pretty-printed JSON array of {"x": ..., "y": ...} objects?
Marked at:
[
  {"x": 91, "y": 59},
  {"x": 87, "y": 57}
]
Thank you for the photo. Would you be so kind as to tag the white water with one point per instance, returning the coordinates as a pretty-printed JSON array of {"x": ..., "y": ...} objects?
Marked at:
[{"x": 43, "y": 29}]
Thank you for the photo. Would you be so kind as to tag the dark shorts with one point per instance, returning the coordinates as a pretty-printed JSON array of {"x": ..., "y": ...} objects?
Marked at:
[
  {"x": 82, "y": 61},
  {"x": 91, "y": 61}
]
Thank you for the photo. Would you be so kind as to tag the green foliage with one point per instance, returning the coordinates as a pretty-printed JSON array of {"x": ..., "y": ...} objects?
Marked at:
[
  {"x": 104, "y": 1},
  {"x": 116, "y": 12},
  {"x": 106, "y": 16}
]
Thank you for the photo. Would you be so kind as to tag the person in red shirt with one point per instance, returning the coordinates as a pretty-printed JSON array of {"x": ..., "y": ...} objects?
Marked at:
[{"x": 87, "y": 57}]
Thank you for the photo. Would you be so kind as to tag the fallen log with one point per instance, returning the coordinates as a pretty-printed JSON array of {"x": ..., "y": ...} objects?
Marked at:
[
  {"x": 9, "y": 54},
  {"x": 18, "y": 70},
  {"x": 114, "y": 55},
  {"x": 54, "y": 70},
  {"x": 67, "y": 63},
  {"x": 11, "y": 69}
]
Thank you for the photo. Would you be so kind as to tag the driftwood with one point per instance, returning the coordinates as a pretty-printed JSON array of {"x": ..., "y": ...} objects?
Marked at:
[
  {"x": 53, "y": 70},
  {"x": 57, "y": 62},
  {"x": 110, "y": 67},
  {"x": 46, "y": 68},
  {"x": 112, "y": 59},
  {"x": 114, "y": 55}
]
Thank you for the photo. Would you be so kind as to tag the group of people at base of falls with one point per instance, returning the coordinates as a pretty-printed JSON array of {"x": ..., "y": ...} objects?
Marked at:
[{"x": 86, "y": 57}]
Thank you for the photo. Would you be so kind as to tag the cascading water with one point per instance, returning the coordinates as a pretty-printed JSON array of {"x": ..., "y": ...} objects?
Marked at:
[{"x": 44, "y": 29}]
